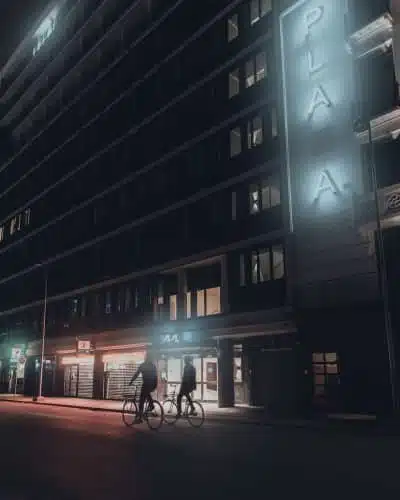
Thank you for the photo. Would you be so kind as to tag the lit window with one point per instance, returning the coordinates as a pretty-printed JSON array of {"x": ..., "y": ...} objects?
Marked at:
[
  {"x": 108, "y": 303},
  {"x": 234, "y": 205},
  {"x": 260, "y": 265},
  {"x": 19, "y": 222},
  {"x": 188, "y": 305},
  {"x": 261, "y": 66},
  {"x": 173, "y": 307},
  {"x": 1, "y": 233},
  {"x": 249, "y": 72},
  {"x": 74, "y": 307},
  {"x": 325, "y": 372},
  {"x": 234, "y": 83},
  {"x": 233, "y": 27},
  {"x": 13, "y": 225},
  {"x": 274, "y": 123},
  {"x": 200, "y": 303},
  {"x": 254, "y": 132},
  {"x": 278, "y": 262},
  {"x": 27, "y": 217},
  {"x": 213, "y": 301},
  {"x": 235, "y": 142},
  {"x": 242, "y": 270},
  {"x": 258, "y": 9},
  {"x": 254, "y": 199}
]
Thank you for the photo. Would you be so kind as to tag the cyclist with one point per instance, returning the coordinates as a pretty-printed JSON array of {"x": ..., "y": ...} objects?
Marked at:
[
  {"x": 149, "y": 376},
  {"x": 187, "y": 386}
]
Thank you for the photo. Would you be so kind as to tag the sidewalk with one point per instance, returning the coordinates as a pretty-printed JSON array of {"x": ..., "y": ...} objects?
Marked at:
[{"x": 239, "y": 415}]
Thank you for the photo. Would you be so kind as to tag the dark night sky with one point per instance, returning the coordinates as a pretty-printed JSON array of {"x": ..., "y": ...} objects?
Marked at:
[{"x": 16, "y": 19}]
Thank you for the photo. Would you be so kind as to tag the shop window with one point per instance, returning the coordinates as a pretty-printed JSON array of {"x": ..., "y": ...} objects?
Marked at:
[
  {"x": 108, "y": 303},
  {"x": 173, "y": 307},
  {"x": 325, "y": 372},
  {"x": 234, "y": 83},
  {"x": 255, "y": 132},
  {"x": 233, "y": 27},
  {"x": 260, "y": 265},
  {"x": 278, "y": 262},
  {"x": 258, "y": 9},
  {"x": 235, "y": 142}
]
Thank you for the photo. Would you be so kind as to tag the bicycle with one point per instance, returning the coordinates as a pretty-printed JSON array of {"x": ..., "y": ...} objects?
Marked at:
[
  {"x": 170, "y": 408},
  {"x": 153, "y": 415}
]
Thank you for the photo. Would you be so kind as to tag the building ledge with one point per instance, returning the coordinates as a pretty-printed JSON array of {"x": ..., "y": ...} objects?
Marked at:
[
  {"x": 383, "y": 127},
  {"x": 374, "y": 37}
]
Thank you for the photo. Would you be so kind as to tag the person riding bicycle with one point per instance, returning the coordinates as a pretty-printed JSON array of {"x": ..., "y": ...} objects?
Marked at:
[
  {"x": 188, "y": 385},
  {"x": 149, "y": 376}
]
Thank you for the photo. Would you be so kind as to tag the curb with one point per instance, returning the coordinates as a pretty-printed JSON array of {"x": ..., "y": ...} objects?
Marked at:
[{"x": 320, "y": 425}]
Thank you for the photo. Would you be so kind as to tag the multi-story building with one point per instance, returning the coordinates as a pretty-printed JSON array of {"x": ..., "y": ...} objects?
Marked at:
[{"x": 186, "y": 177}]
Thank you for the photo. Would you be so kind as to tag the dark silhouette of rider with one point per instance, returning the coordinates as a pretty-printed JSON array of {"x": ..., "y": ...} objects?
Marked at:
[
  {"x": 188, "y": 385},
  {"x": 148, "y": 371}
]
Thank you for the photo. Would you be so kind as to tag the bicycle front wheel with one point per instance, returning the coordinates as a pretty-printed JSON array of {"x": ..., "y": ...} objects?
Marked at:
[
  {"x": 129, "y": 412},
  {"x": 196, "y": 419},
  {"x": 154, "y": 417},
  {"x": 170, "y": 411}
]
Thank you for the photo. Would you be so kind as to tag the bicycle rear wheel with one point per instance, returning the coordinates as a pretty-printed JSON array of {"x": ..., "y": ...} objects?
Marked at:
[
  {"x": 129, "y": 412},
  {"x": 170, "y": 411},
  {"x": 197, "y": 418},
  {"x": 155, "y": 417}
]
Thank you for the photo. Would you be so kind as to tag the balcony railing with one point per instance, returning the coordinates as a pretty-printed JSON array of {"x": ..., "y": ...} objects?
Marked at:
[{"x": 383, "y": 127}]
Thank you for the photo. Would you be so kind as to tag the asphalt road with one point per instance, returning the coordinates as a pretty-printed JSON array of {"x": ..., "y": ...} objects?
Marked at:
[{"x": 65, "y": 453}]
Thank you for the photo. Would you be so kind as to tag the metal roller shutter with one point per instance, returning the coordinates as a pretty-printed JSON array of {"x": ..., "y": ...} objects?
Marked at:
[
  {"x": 70, "y": 380},
  {"x": 118, "y": 381},
  {"x": 85, "y": 381}
]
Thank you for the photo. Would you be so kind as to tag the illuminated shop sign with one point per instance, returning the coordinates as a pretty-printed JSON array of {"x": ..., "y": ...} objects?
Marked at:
[
  {"x": 44, "y": 31},
  {"x": 171, "y": 339},
  {"x": 84, "y": 346},
  {"x": 323, "y": 167}
]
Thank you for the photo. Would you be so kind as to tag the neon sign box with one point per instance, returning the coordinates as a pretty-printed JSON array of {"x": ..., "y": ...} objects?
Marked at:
[{"x": 322, "y": 157}]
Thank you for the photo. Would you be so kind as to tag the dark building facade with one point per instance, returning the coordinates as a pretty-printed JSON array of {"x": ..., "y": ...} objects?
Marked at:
[{"x": 187, "y": 177}]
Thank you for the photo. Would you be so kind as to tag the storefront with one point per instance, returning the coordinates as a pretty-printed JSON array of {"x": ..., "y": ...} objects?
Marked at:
[
  {"x": 78, "y": 375},
  {"x": 118, "y": 371}
]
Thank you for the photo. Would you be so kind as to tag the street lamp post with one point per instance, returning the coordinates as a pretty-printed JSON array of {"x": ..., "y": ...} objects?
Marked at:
[
  {"x": 381, "y": 266},
  {"x": 43, "y": 335}
]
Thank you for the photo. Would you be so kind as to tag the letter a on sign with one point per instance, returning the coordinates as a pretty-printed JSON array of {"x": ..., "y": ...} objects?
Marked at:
[
  {"x": 326, "y": 184},
  {"x": 319, "y": 98}
]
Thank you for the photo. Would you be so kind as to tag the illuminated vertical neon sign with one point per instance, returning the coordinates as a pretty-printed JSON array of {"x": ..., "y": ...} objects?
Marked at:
[{"x": 317, "y": 96}]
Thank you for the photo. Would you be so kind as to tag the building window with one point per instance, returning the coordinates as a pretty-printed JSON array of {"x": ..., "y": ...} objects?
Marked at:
[
  {"x": 264, "y": 195},
  {"x": 274, "y": 123},
  {"x": 209, "y": 301},
  {"x": 234, "y": 83},
  {"x": 278, "y": 262},
  {"x": 188, "y": 305},
  {"x": 1, "y": 233},
  {"x": 13, "y": 225},
  {"x": 234, "y": 204},
  {"x": 261, "y": 266},
  {"x": 233, "y": 27},
  {"x": 173, "y": 307},
  {"x": 235, "y": 142},
  {"x": 108, "y": 305},
  {"x": 250, "y": 73},
  {"x": 325, "y": 372},
  {"x": 258, "y": 9},
  {"x": 27, "y": 217},
  {"x": 261, "y": 66},
  {"x": 74, "y": 307},
  {"x": 255, "y": 132},
  {"x": 242, "y": 269},
  {"x": 127, "y": 299}
]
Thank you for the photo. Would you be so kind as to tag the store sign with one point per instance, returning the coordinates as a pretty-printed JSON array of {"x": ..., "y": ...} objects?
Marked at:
[
  {"x": 84, "y": 346},
  {"x": 45, "y": 30},
  {"x": 170, "y": 339},
  {"x": 317, "y": 94}
]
